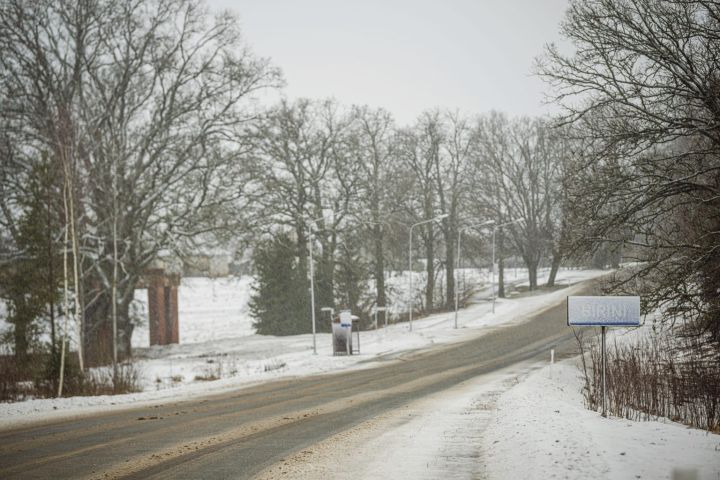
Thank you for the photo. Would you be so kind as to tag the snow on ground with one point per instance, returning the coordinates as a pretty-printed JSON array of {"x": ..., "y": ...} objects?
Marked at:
[
  {"x": 526, "y": 421},
  {"x": 438, "y": 436},
  {"x": 542, "y": 430},
  {"x": 209, "y": 309},
  {"x": 238, "y": 358}
]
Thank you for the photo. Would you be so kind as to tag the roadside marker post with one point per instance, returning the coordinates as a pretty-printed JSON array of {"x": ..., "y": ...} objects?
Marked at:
[
  {"x": 604, "y": 399},
  {"x": 603, "y": 312}
]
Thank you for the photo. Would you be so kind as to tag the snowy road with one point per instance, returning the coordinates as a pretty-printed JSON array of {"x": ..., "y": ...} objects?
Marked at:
[{"x": 270, "y": 428}]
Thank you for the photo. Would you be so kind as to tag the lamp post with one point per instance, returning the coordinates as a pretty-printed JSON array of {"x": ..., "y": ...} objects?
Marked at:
[
  {"x": 457, "y": 290},
  {"x": 493, "y": 257},
  {"x": 312, "y": 280},
  {"x": 410, "y": 292}
]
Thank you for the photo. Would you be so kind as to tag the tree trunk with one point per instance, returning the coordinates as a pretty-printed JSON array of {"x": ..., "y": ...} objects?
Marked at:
[
  {"x": 75, "y": 246},
  {"x": 21, "y": 341},
  {"x": 430, "y": 269},
  {"x": 324, "y": 291},
  {"x": 450, "y": 242},
  {"x": 532, "y": 267},
  {"x": 125, "y": 329},
  {"x": 557, "y": 259},
  {"x": 325, "y": 281},
  {"x": 501, "y": 278},
  {"x": 616, "y": 252},
  {"x": 66, "y": 301},
  {"x": 98, "y": 331},
  {"x": 379, "y": 267},
  {"x": 51, "y": 279},
  {"x": 302, "y": 252},
  {"x": 501, "y": 264}
]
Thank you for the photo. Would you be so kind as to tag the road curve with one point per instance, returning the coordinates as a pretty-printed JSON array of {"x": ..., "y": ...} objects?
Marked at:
[{"x": 238, "y": 434}]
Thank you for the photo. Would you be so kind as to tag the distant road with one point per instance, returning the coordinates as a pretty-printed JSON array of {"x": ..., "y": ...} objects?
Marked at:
[{"x": 236, "y": 435}]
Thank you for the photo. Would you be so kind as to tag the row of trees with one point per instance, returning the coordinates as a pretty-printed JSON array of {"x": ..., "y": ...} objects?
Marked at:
[{"x": 349, "y": 182}]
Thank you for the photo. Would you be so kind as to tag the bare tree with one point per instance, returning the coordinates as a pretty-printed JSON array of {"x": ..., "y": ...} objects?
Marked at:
[
  {"x": 375, "y": 152},
  {"x": 145, "y": 99},
  {"x": 522, "y": 170},
  {"x": 642, "y": 91},
  {"x": 418, "y": 150},
  {"x": 556, "y": 183},
  {"x": 492, "y": 146},
  {"x": 452, "y": 171}
]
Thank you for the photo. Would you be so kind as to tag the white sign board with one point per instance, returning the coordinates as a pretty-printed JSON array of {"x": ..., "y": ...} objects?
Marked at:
[{"x": 603, "y": 311}]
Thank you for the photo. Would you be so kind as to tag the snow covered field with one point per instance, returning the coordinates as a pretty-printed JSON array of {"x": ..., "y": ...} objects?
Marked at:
[
  {"x": 209, "y": 309},
  {"x": 214, "y": 314}
]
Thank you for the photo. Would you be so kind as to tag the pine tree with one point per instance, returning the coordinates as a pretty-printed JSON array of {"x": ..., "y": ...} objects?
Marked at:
[
  {"x": 29, "y": 283},
  {"x": 280, "y": 303}
]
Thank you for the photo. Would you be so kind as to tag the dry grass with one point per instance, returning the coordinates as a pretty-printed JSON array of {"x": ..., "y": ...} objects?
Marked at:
[
  {"x": 672, "y": 375},
  {"x": 39, "y": 379}
]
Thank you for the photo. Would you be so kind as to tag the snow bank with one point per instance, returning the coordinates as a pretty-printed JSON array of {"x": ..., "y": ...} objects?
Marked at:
[{"x": 542, "y": 430}]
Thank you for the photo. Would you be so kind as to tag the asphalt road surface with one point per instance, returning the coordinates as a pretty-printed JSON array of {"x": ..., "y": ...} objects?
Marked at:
[{"x": 238, "y": 434}]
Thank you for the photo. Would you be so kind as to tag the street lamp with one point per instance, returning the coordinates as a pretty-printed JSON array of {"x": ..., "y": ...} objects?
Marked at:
[
  {"x": 493, "y": 256},
  {"x": 312, "y": 280},
  {"x": 457, "y": 290},
  {"x": 410, "y": 292}
]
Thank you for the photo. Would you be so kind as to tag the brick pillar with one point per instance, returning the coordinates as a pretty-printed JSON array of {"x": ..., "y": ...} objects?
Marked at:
[
  {"x": 156, "y": 307},
  {"x": 163, "y": 307}
]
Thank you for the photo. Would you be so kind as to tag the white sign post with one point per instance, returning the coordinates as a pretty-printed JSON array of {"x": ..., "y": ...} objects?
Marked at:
[{"x": 603, "y": 312}]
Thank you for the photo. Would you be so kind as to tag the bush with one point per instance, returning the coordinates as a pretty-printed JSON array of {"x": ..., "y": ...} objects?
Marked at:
[
  {"x": 124, "y": 378},
  {"x": 38, "y": 379},
  {"x": 11, "y": 380},
  {"x": 676, "y": 376}
]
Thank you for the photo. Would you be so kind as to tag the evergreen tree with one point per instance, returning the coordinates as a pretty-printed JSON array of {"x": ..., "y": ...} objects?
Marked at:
[
  {"x": 280, "y": 303},
  {"x": 29, "y": 283}
]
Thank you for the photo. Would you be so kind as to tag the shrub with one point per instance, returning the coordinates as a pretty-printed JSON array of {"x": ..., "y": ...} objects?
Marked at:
[{"x": 671, "y": 374}]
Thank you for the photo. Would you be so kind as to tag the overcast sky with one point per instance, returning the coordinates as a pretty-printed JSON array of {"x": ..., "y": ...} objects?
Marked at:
[{"x": 406, "y": 55}]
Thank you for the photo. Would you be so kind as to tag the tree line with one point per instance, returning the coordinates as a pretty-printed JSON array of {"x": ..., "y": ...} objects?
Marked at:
[
  {"x": 129, "y": 133},
  {"x": 349, "y": 182}
]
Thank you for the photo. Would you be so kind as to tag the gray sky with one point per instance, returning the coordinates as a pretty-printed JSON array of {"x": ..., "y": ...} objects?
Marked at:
[{"x": 406, "y": 55}]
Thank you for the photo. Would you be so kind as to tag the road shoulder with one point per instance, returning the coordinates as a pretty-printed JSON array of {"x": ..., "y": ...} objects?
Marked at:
[{"x": 428, "y": 438}]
